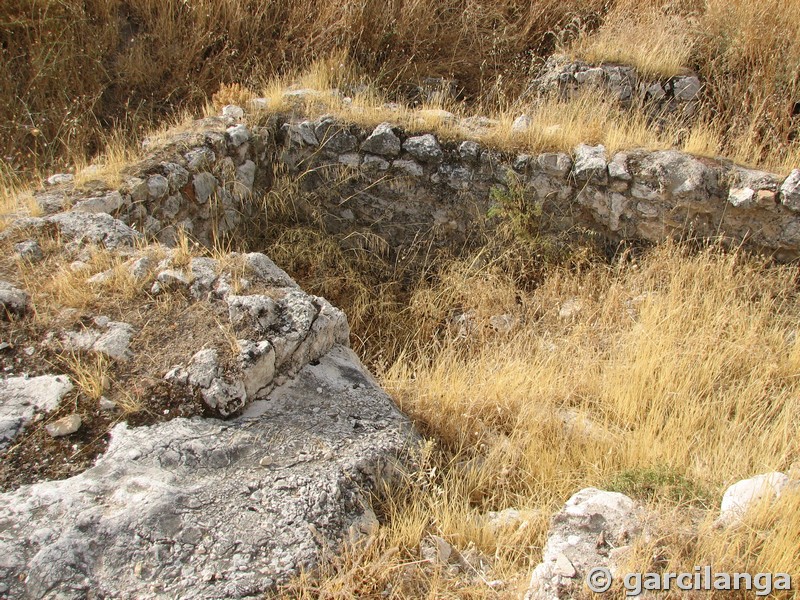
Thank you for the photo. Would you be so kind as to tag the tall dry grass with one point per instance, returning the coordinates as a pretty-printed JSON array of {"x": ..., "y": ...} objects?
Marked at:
[
  {"x": 667, "y": 377},
  {"x": 742, "y": 50},
  {"x": 69, "y": 70},
  {"x": 72, "y": 70}
]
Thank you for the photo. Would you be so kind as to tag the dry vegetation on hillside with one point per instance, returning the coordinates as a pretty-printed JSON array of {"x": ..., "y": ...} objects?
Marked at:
[
  {"x": 72, "y": 70},
  {"x": 666, "y": 377}
]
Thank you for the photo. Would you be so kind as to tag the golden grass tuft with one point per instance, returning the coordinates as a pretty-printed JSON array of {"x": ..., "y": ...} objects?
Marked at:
[
  {"x": 90, "y": 373},
  {"x": 642, "y": 35}
]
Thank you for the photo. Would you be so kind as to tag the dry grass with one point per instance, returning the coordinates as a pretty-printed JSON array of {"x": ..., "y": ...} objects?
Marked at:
[
  {"x": 644, "y": 35},
  {"x": 560, "y": 125},
  {"x": 71, "y": 69},
  {"x": 90, "y": 373},
  {"x": 676, "y": 377},
  {"x": 16, "y": 199},
  {"x": 741, "y": 51}
]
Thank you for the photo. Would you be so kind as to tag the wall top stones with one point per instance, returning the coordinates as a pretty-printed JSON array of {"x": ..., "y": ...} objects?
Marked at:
[{"x": 402, "y": 184}]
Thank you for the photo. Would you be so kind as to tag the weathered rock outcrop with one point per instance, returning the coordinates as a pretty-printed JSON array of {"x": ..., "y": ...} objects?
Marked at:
[{"x": 204, "y": 508}]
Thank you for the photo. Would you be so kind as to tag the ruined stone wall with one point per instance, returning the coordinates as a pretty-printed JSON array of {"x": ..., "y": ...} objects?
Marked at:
[
  {"x": 404, "y": 186},
  {"x": 677, "y": 96}
]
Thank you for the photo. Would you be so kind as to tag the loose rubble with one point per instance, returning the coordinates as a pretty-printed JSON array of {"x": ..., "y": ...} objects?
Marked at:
[{"x": 592, "y": 529}]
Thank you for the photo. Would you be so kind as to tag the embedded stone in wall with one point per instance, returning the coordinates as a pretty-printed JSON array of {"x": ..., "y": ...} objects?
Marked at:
[
  {"x": 790, "y": 191},
  {"x": 590, "y": 163},
  {"x": 382, "y": 141},
  {"x": 424, "y": 148}
]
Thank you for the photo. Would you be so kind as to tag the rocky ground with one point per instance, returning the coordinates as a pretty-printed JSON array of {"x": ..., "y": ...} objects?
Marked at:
[{"x": 182, "y": 398}]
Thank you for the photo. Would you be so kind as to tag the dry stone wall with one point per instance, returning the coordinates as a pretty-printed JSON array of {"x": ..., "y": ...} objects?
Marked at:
[
  {"x": 403, "y": 186},
  {"x": 677, "y": 96}
]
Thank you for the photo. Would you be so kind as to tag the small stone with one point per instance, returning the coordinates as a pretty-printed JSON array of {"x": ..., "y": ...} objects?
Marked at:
[
  {"x": 521, "y": 162},
  {"x": 64, "y": 426},
  {"x": 436, "y": 550},
  {"x": 521, "y": 124},
  {"x": 555, "y": 163},
  {"x": 203, "y": 368},
  {"x": 351, "y": 159},
  {"x": 618, "y": 167},
  {"x": 29, "y": 250},
  {"x": 765, "y": 198},
  {"x": 115, "y": 342},
  {"x": 177, "y": 375},
  {"x": 245, "y": 177},
  {"x": 469, "y": 151},
  {"x": 205, "y": 184},
  {"x": 140, "y": 268},
  {"x": 157, "y": 186},
  {"x": 177, "y": 177},
  {"x": 200, "y": 159},
  {"x": 171, "y": 278},
  {"x": 60, "y": 178},
  {"x": 424, "y": 148},
  {"x": 409, "y": 167},
  {"x": 790, "y": 191},
  {"x": 741, "y": 197},
  {"x": 496, "y": 584},
  {"x": 106, "y": 405},
  {"x": 655, "y": 92},
  {"x": 374, "y": 163},
  {"x": 590, "y": 163},
  {"x": 101, "y": 278},
  {"x": 686, "y": 88},
  {"x": 333, "y": 137},
  {"x": 564, "y": 567},
  {"x": 237, "y": 135},
  {"x": 232, "y": 111},
  {"x": 266, "y": 461},
  {"x": 15, "y": 301}
]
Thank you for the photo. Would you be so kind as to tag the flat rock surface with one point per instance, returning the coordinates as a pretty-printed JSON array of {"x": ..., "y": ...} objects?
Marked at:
[
  {"x": 21, "y": 397},
  {"x": 203, "y": 508}
]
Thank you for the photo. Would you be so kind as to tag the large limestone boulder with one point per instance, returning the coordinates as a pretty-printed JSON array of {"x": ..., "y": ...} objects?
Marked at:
[{"x": 205, "y": 508}]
